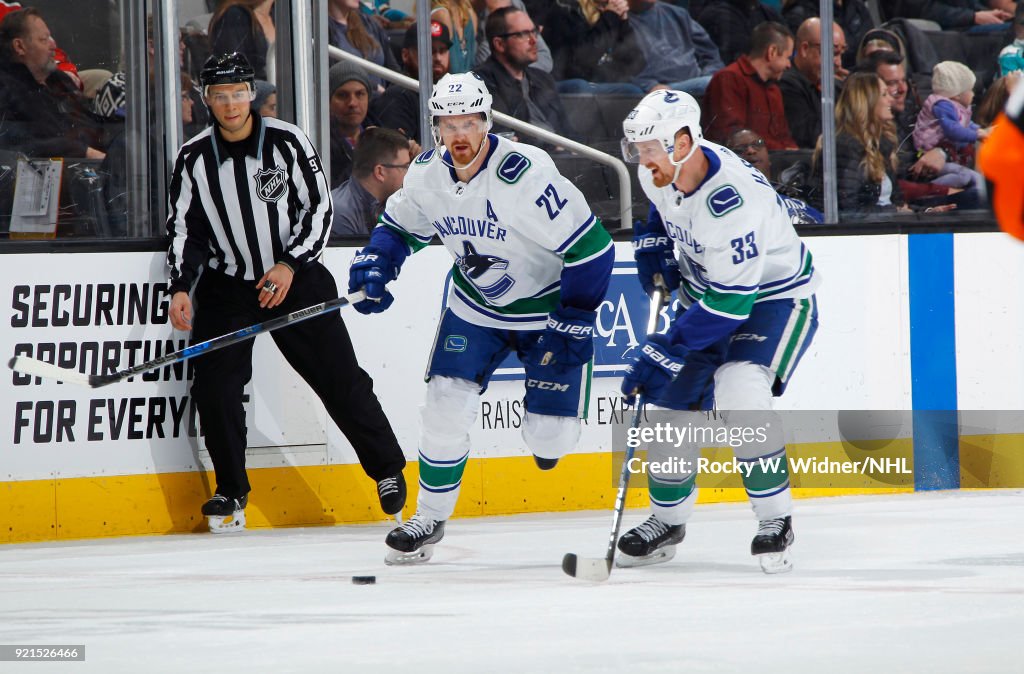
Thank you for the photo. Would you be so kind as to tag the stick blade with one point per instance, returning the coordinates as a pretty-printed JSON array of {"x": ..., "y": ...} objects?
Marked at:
[
  {"x": 586, "y": 568},
  {"x": 38, "y": 368}
]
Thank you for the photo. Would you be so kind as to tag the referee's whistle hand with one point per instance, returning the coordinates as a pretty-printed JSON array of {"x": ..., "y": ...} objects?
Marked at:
[
  {"x": 180, "y": 311},
  {"x": 274, "y": 286}
]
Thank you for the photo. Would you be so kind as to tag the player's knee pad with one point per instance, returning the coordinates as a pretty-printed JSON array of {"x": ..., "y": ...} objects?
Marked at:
[
  {"x": 743, "y": 394},
  {"x": 550, "y": 437},
  {"x": 447, "y": 416},
  {"x": 742, "y": 385}
]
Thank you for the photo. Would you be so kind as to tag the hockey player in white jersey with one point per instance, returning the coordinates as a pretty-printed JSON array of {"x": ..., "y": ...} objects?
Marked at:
[
  {"x": 532, "y": 264},
  {"x": 721, "y": 237}
]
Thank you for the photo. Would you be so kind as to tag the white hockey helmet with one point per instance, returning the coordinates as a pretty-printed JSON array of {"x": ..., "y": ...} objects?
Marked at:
[
  {"x": 659, "y": 116},
  {"x": 459, "y": 94}
]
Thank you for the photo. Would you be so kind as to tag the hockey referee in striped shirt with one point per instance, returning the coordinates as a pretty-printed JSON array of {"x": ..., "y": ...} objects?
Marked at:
[{"x": 249, "y": 201}]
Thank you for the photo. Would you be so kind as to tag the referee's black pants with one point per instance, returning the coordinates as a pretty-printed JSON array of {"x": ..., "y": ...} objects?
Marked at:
[{"x": 320, "y": 351}]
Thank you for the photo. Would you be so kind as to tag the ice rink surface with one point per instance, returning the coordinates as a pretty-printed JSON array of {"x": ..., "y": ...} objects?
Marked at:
[{"x": 928, "y": 582}]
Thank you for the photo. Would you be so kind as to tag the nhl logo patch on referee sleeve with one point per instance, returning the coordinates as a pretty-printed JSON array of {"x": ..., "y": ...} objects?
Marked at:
[{"x": 270, "y": 184}]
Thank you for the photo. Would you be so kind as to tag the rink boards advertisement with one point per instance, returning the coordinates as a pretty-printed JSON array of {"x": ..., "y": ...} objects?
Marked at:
[{"x": 69, "y": 451}]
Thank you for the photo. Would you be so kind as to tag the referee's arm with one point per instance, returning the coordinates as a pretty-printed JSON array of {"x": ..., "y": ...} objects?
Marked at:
[
  {"x": 312, "y": 224},
  {"x": 187, "y": 227}
]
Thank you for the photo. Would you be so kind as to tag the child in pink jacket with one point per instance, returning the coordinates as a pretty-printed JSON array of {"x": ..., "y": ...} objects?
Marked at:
[{"x": 945, "y": 122}]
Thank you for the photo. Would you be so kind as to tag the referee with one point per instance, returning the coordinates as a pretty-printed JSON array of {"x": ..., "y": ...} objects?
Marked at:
[{"x": 249, "y": 201}]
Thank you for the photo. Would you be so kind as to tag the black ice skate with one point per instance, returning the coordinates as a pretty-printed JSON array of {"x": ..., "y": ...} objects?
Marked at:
[
  {"x": 771, "y": 544},
  {"x": 225, "y": 514},
  {"x": 545, "y": 464},
  {"x": 652, "y": 542},
  {"x": 413, "y": 542},
  {"x": 391, "y": 492}
]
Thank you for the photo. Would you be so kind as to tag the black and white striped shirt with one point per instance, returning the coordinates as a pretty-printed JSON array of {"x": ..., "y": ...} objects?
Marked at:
[{"x": 242, "y": 217}]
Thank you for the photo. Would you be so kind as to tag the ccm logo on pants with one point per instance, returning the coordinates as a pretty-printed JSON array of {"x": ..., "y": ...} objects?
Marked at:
[{"x": 546, "y": 385}]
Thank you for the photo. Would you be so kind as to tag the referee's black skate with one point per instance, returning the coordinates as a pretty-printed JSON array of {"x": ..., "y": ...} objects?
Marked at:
[
  {"x": 771, "y": 544},
  {"x": 391, "y": 492},
  {"x": 652, "y": 542},
  {"x": 544, "y": 464},
  {"x": 225, "y": 514},
  {"x": 413, "y": 542}
]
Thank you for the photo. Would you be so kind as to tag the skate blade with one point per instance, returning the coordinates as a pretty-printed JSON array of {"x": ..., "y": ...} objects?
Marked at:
[
  {"x": 398, "y": 558},
  {"x": 226, "y": 524},
  {"x": 659, "y": 556},
  {"x": 775, "y": 562}
]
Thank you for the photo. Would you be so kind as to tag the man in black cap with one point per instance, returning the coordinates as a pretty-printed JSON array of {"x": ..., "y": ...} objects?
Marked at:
[
  {"x": 249, "y": 205},
  {"x": 399, "y": 108}
]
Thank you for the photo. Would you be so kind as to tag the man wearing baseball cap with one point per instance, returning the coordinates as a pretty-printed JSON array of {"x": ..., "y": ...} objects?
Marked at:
[{"x": 399, "y": 108}]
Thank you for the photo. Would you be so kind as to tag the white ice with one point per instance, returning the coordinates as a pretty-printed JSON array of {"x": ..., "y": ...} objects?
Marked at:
[{"x": 900, "y": 583}]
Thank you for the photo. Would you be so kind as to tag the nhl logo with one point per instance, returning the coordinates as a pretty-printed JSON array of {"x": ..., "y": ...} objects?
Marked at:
[{"x": 270, "y": 184}]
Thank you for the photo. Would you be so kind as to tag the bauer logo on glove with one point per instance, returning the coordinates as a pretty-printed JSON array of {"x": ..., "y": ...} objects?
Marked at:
[
  {"x": 648, "y": 241},
  {"x": 659, "y": 362},
  {"x": 567, "y": 340},
  {"x": 574, "y": 330},
  {"x": 661, "y": 359}
]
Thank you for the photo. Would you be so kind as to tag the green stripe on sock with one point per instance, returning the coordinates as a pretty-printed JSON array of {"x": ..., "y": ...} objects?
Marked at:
[
  {"x": 767, "y": 474},
  {"x": 669, "y": 492},
  {"x": 441, "y": 476}
]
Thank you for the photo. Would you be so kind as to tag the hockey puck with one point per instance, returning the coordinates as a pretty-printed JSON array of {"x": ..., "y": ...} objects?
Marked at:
[{"x": 364, "y": 580}]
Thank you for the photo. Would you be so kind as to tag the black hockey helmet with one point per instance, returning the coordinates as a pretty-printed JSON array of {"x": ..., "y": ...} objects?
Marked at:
[{"x": 230, "y": 68}]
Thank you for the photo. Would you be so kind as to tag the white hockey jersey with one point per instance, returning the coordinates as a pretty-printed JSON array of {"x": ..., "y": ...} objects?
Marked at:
[
  {"x": 511, "y": 230},
  {"x": 734, "y": 238}
]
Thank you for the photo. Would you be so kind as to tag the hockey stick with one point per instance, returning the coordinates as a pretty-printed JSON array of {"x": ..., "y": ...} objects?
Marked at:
[
  {"x": 599, "y": 569},
  {"x": 38, "y": 368}
]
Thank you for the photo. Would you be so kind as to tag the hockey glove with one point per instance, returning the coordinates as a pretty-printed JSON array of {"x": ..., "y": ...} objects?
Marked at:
[
  {"x": 567, "y": 341},
  {"x": 655, "y": 254},
  {"x": 371, "y": 270},
  {"x": 657, "y": 365}
]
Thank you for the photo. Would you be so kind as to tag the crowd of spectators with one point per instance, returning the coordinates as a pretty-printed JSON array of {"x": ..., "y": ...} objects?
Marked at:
[{"x": 905, "y": 120}]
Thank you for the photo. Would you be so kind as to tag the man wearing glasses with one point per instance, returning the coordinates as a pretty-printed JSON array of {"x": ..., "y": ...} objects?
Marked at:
[
  {"x": 378, "y": 168},
  {"x": 249, "y": 207},
  {"x": 518, "y": 89}
]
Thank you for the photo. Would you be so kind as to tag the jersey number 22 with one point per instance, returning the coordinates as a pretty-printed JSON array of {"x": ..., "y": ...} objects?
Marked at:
[{"x": 551, "y": 201}]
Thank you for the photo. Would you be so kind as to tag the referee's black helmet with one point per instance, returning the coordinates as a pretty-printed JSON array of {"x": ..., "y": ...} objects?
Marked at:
[{"x": 230, "y": 68}]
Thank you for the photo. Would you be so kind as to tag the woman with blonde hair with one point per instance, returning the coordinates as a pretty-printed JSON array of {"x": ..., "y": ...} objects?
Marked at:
[
  {"x": 350, "y": 30},
  {"x": 460, "y": 19},
  {"x": 866, "y": 163},
  {"x": 595, "y": 48},
  {"x": 246, "y": 27}
]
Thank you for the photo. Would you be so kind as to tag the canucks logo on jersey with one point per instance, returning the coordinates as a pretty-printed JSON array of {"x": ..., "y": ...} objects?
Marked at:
[{"x": 474, "y": 266}]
